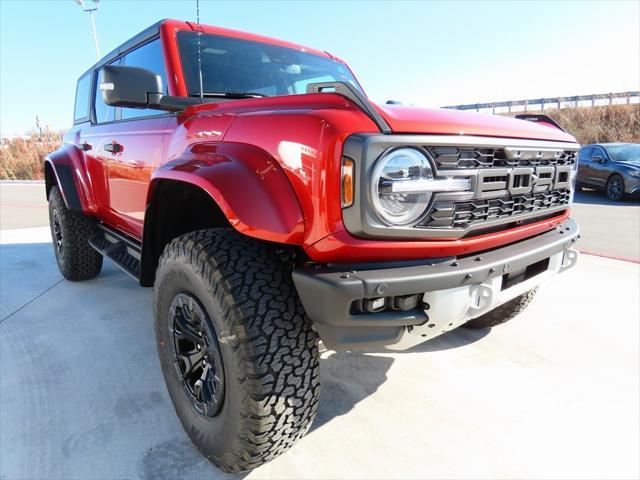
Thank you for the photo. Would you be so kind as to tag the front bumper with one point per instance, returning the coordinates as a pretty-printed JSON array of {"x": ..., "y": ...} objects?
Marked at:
[
  {"x": 453, "y": 290},
  {"x": 632, "y": 186}
]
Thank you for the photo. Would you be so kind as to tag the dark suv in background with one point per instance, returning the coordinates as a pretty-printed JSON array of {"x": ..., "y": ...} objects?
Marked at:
[{"x": 612, "y": 167}]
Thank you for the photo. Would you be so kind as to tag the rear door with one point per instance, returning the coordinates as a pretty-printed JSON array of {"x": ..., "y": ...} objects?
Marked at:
[{"x": 92, "y": 140}]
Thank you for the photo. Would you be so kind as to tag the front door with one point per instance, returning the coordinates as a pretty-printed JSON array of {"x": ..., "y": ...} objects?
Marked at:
[
  {"x": 135, "y": 146},
  {"x": 599, "y": 171},
  {"x": 134, "y": 150}
]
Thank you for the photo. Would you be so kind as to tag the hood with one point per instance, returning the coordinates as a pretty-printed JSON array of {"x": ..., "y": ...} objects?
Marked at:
[
  {"x": 633, "y": 165},
  {"x": 439, "y": 121},
  {"x": 401, "y": 119}
]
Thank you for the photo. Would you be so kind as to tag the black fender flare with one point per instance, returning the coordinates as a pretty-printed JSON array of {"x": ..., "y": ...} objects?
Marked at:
[{"x": 66, "y": 168}]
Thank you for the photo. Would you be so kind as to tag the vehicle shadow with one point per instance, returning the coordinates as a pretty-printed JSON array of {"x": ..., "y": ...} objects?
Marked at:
[
  {"x": 347, "y": 378},
  {"x": 457, "y": 338},
  {"x": 598, "y": 197}
]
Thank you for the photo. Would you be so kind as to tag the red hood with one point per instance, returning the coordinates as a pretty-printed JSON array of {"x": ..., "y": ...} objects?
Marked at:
[{"x": 403, "y": 119}]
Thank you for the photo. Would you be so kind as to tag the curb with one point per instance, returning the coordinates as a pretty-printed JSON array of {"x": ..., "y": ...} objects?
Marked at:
[
  {"x": 21, "y": 182},
  {"x": 612, "y": 257}
]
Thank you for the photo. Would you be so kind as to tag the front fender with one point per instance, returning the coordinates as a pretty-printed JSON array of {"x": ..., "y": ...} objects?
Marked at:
[
  {"x": 247, "y": 184},
  {"x": 69, "y": 169}
]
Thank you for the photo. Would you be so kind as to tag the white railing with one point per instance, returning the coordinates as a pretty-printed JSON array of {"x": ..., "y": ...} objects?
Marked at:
[{"x": 550, "y": 103}]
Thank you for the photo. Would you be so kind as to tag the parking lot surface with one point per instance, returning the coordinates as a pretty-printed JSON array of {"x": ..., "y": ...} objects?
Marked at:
[
  {"x": 608, "y": 228},
  {"x": 552, "y": 394}
]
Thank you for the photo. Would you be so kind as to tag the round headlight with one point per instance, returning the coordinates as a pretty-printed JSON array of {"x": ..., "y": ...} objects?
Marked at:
[{"x": 391, "y": 205}]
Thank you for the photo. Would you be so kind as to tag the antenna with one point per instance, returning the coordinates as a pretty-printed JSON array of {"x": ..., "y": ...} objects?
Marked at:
[
  {"x": 90, "y": 11},
  {"x": 199, "y": 49}
]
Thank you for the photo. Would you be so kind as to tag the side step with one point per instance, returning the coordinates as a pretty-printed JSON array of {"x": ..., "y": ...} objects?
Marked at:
[{"x": 121, "y": 249}]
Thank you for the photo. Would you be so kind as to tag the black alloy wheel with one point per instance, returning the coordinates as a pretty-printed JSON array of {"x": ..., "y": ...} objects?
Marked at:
[
  {"x": 615, "y": 188},
  {"x": 254, "y": 391},
  {"x": 197, "y": 354},
  {"x": 57, "y": 231}
]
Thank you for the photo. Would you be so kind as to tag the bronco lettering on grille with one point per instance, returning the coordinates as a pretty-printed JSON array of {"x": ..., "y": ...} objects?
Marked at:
[{"x": 520, "y": 180}]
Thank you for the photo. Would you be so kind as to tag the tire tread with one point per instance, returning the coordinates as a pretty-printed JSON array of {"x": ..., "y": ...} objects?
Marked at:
[
  {"x": 79, "y": 261},
  {"x": 275, "y": 348}
]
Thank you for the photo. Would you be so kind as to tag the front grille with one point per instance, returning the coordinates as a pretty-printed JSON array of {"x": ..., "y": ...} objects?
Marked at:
[
  {"x": 475, "y": 157},
  {"x": 463, "y": 214},
  {"x": 480, "y": 184}
]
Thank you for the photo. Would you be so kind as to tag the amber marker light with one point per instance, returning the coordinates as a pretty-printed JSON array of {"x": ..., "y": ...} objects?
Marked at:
[{"x": 347, "y": 182}]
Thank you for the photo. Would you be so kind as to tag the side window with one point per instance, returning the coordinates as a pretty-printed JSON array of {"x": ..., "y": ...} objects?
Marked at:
[
  {"x": 598, "y": 152},
  {"x": 585, "y": 154},
  {"x": 104, "y": 113},
  {"x": 149, "y": 57},
  {"x": 81, "y": 109}
]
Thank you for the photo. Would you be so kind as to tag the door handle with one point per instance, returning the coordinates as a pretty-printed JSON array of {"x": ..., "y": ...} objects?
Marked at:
[
  {"x": 84, "y": 146},
  {"x": 114, "y": 147},
  {"x": 135, "y": 164}
]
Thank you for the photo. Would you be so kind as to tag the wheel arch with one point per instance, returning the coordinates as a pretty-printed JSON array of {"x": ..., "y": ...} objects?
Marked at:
[
  {"x": 614, "y": 173},
  {"x": 221, "y": 185},
  {"x": 174, "y": 208},
  {"x": 66, "y": 168}
]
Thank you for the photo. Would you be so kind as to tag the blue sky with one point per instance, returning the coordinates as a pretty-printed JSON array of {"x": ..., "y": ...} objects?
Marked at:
[{"x": 423, "y": 53}]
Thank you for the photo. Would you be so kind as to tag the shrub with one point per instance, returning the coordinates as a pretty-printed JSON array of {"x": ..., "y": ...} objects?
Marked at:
[
  {"x": 22, "y": 158},
  {"x": 615, "y": 123}
]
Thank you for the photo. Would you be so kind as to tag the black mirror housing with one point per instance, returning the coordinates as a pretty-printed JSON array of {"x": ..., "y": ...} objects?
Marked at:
[
  {"x": 597, "y": 159},
  {"x": 134, "y": 87},
  {"x": 130, "y": 87}
]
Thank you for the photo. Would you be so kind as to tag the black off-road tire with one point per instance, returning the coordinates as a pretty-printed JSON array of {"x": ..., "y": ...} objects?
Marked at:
[
  {"x": 263, "y": 339},
  {"x": 70, "y": 233},
  {"x": 504, "y": 312}
]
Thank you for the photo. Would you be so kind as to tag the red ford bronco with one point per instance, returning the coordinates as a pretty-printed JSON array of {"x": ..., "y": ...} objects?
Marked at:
[{"x": 270, "y": 204}]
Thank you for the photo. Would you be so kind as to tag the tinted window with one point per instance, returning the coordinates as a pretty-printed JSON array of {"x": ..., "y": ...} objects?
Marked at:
[
  {"x": 83, "y": 88},
  {"x": 104, "y": 113},
  {"x": 598, "y": 152},
  {"x": 149, "y": 57},
  {"x": 625, "y": 153},
  {"x": 240, "y": 66},
  {"x": 585, "y": 154}
]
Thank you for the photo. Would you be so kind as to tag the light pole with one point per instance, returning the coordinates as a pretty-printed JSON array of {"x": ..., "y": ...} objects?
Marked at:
[{"x": 93, "y": 22}]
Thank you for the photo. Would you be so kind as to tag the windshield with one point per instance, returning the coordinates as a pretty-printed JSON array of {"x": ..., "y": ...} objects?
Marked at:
[
  {"x": 236, "y": 66},
  {"x": 625, "y": 153}
]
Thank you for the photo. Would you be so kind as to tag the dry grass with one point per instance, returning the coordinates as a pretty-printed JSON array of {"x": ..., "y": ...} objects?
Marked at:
[
  {"x": 615, "y": 123},
  {"x": 23, "y": 158}
]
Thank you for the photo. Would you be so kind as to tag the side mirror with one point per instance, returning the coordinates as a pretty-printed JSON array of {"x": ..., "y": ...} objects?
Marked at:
[
  {"x": 134, "y": 87},
  {"x": 598, "y": 159},
  {"x": 130, "y": 87}
]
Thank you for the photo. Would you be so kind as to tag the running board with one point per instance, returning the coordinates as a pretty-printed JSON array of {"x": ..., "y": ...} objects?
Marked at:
[{"x": 121, "y": 249}]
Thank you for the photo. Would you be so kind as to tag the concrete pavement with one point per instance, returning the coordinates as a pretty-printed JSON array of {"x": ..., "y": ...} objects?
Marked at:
[
  {"x": 608, "y": 228},
  {"x": 552, "y": 394},
  {"x": 22, "y": 204}
]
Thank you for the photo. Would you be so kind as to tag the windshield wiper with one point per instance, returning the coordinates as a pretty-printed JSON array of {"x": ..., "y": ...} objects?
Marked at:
[{"x": 230, "y": 94}]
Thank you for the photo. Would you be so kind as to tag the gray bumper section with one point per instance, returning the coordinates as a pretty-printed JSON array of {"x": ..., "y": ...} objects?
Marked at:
[{"x": 328, "y": 293}]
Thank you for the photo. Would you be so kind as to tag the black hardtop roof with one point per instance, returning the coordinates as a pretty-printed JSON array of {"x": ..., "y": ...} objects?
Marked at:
[{"x": 145, "y": 35}]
